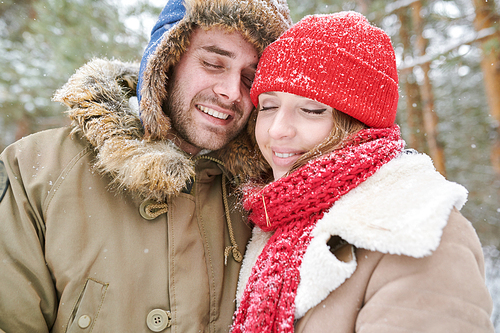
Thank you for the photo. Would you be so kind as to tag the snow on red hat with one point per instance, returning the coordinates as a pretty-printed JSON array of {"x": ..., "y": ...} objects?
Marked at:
[{"x": 339, "y": 60}]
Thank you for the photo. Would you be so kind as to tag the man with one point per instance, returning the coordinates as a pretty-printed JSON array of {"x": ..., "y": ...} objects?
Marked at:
[{"x": 124, "y": 223}]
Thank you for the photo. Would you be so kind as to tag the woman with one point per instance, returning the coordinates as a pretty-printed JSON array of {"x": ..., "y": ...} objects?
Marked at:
[{"x": 355, "y": 234}]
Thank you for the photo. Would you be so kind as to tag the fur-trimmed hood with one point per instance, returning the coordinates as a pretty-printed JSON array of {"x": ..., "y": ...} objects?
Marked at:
[
  {"x": 133, "y": 149},
  {"x": 402, "y": 209},
  {"x": 102, "y": 107},
  {"x": 259, "y": 21}
]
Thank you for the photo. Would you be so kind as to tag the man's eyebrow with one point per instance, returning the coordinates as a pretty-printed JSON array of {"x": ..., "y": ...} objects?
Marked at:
[{"x": 218, "y": 50}]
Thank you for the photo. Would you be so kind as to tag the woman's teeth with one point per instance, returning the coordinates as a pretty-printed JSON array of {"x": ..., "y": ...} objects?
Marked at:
[
  {"x": 284, "y": 155},
  {"x": 213, "y": 113}
]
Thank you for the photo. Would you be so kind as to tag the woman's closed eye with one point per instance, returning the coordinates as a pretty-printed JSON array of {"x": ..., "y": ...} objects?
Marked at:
[
  {"x": 313, "y": 111},
  {"x": 265, "y": 108}
]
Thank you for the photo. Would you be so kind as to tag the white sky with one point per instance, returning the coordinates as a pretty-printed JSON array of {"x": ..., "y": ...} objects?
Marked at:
[{"x": 145, "y": 22}]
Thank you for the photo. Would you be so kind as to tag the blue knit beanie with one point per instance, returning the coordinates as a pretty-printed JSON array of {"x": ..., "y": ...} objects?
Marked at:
[{"x": 173, "y": 12}]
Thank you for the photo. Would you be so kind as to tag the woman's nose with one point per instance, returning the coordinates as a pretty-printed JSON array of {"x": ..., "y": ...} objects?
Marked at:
[{"x": 282, "y": 125}]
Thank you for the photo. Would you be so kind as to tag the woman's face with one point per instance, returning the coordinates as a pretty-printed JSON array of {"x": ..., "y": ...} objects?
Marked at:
[{"x": 289, "y": 126}]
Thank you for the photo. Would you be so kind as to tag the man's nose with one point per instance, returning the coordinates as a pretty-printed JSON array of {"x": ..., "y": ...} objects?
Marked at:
[{"x": 229, "y": 88}]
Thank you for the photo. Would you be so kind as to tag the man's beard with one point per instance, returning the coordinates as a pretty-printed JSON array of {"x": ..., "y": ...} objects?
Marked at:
[{"x": 181, "y": 117}]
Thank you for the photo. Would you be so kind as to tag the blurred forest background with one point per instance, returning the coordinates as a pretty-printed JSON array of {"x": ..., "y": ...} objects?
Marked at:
[{"x": 448, "y": 54}]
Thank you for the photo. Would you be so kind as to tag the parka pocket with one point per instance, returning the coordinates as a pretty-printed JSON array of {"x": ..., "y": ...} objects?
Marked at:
[{"x": 86, "y": 309}]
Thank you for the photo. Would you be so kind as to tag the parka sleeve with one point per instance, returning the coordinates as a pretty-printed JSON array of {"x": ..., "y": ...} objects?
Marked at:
[
  {"x": 27, "y": 294},
  {"x": 444, "y": 292}
]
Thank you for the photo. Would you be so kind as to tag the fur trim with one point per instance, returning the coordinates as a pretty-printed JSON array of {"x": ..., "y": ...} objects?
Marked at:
[
  {"x": 320, "y": 274},
  {"x": 135, "y": 154},
  {"x": 401, "y": 209},
  {"x": 98, "y": 95}
]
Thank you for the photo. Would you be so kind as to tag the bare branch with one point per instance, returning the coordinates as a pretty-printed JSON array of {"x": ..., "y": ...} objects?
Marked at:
[{"x": 419, "y": 61}]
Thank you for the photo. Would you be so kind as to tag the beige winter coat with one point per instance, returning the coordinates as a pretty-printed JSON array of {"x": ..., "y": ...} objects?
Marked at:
[
  {"x": 441, "y": 293},
  {"x": 393, "y": 255}
]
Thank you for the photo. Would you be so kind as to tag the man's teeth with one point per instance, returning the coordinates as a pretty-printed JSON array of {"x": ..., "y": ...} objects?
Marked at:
[
  {"x": 284, "y": 155},
  {"x": 213, "y": 113}
]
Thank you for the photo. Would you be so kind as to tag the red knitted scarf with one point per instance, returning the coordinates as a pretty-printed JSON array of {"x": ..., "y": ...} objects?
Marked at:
[{"x": 290, "y": 207}]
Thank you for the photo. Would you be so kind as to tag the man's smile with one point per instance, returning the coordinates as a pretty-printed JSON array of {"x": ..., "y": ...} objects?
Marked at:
[{"x": 213, "y": 113}]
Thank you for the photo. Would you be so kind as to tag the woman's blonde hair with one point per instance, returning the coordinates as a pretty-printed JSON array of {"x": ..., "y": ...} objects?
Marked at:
[{"x": 344, "y": 127}]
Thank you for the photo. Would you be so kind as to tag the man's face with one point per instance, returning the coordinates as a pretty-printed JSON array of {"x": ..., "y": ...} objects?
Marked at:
[{"x": 209, "y": 93}]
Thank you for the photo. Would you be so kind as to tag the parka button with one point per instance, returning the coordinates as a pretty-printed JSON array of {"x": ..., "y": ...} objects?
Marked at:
[
  {"x": 158, "y": 320},
  {"x": 84, "y": 321}
]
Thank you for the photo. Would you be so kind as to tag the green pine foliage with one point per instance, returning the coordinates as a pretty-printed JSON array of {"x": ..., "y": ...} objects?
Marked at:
[{"x": 42, "y": 43}]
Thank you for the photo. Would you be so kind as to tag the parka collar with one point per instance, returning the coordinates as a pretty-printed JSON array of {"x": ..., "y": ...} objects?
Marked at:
[
  {"x": 99, "y": 95},
  {"x": 102, "y": 107}
]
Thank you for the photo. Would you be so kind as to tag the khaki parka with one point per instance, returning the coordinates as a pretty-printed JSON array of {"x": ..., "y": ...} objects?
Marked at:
[
  {"x": 106, "y": 226},
  {"x": 78, "y": 257}
]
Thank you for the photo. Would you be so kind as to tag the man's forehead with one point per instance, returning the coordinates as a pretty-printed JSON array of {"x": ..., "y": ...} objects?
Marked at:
[{"x": 221, "y": 41}]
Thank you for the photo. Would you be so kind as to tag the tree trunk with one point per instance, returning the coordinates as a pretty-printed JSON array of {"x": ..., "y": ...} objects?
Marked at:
[
  {"x": 486, "y": 17},
  {"x": 415, "y": 114},
  {"x": 24, "y": 127},
  {"x": 431, "y": 120},
  {"x": 410, "y": 86}
]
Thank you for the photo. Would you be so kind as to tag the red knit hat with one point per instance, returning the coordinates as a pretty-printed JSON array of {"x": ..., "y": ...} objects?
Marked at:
[{"x": 339, "y": 60}]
